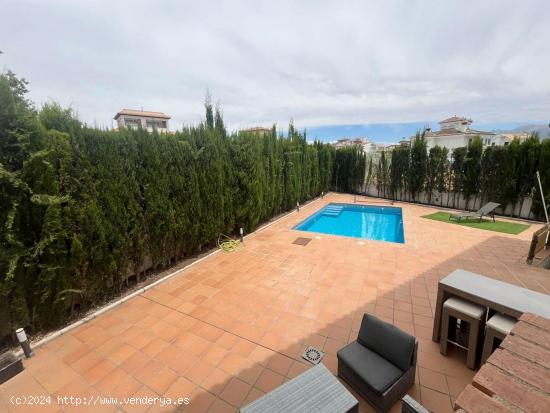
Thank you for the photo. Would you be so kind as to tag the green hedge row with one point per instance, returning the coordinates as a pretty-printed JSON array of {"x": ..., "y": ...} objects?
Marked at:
[
  {"x": 349, "y": 169},
  {"x": 82, "y": 208},
  {"x": 503, "y": 174}
]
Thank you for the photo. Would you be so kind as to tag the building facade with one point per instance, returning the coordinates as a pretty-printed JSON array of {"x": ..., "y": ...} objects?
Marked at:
[
  {"x": 506, "y": 138},
  {"x": 133, "y": 119},
  {"x": 257, "y": 130},
  {"x": 455, "y": 132},
  {"x": 366, "y": 144}
]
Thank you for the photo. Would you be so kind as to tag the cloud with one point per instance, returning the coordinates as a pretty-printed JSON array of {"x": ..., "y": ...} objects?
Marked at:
[{"x": 318, "y": 62}]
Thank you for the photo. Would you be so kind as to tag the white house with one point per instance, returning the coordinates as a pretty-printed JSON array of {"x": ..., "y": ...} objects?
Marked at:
[
  {"x": 131, "y": 118},
  {"x": 367, "y": 145},
  {"x": 455, "y": 132},
  {"x": 506, "y": 138},
  {"x": 345, "y": 142}
]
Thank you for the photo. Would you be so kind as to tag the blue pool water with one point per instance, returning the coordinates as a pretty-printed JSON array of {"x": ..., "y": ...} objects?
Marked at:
[{"x": 359, "y": 221}]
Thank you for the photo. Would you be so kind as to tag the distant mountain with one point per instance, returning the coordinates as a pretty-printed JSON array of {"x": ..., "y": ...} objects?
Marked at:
[
  {"x": 542, "y": 130},
  {"x": 393, "y": 132},
  {"x": 377, "y": 132}
]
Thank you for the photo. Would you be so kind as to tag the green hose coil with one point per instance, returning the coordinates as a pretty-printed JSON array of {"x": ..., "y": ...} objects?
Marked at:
[{"x": 227, "y": 244}]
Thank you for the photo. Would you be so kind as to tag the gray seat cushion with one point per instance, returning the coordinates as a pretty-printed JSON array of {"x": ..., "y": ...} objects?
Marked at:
[
  {"x": 377, "y": 372},
  {"x": 387, "y": 340}
]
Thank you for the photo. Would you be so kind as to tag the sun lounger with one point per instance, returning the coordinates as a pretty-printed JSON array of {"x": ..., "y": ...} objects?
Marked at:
[{"x": 486, "y": 210}]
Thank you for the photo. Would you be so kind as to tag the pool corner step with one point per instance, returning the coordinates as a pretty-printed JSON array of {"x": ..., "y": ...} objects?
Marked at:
[{"x": 333, "y": 210}]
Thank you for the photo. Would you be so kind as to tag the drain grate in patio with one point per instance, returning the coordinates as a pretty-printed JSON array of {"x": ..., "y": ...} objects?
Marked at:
[
  {"x": 302, "y": 241},
  {"x": 313, "y": 355}
]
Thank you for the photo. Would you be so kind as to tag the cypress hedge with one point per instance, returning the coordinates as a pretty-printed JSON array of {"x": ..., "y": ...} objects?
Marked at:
[
  {"x": 503, "y": 174},
  {"x": 350, "y": 165},
  {"x": 85, "y": 211}
]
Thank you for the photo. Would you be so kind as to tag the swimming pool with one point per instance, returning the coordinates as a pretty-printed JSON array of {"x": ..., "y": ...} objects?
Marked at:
[{"x": 359, "y": 221}]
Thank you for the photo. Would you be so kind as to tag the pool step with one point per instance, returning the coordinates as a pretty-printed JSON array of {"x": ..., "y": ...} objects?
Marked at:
[{"x": 333, "y": 210}]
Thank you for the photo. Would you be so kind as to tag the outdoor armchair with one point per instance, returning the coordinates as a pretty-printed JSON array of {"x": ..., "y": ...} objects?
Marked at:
[{"x": 380, "y": 365}]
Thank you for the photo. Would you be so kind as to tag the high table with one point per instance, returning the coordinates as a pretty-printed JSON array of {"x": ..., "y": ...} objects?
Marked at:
[
  {"x": 496, "y": 295},
  {"x": 516, "y": 378}
]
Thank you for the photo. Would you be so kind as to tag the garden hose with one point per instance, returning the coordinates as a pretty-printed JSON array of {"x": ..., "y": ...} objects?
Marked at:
[{"x": 227, "y": 244}]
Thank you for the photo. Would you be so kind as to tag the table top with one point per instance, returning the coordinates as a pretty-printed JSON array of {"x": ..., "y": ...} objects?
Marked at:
[
  {"x": 315, "y": 390},
  {"x": 517, "y": 375},
  {"x": 499, "y": 292}
]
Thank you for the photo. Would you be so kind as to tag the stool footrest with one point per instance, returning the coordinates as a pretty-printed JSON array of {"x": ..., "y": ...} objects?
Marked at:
[{"x": 454, "y": 343}]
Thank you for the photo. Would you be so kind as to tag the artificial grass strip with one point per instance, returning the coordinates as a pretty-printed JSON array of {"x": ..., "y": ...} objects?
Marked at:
[{"x": 486, "y": 224}]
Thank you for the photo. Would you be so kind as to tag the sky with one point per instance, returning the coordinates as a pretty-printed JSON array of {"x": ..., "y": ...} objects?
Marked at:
[{"x": 334, "y": 67}]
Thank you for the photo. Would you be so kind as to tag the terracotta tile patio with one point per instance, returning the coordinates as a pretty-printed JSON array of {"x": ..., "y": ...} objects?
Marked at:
[{"x": 234, "y": 326}]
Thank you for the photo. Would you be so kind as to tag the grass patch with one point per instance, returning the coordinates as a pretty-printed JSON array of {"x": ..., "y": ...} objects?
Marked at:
[{"x": 486, "y": 224}]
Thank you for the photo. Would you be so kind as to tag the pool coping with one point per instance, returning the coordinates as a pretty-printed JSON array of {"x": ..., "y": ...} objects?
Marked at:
[{"x": 295, "y": 227}]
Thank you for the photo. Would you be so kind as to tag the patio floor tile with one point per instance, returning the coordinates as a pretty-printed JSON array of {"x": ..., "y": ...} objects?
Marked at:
[
  {"x": 221, "y": 406},
  {"x": 435, "y": 401},
  {"x": 235, "y": 392},
  {"x": 268, "y": 380},
  {"x": 235, "y": 325},
  {"x": 199, "y": 371},
  {"x": 433, "y": 380},
  {"x": 161, "y": 381},
  {"x": 216, "y": 381},
  {"x": 280, "y": 364},
  {"x": 232, "y": 363}
]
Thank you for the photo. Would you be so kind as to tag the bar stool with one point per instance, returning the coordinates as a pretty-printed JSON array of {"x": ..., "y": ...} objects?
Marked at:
[
  {"x": 497, "y": 327},
  {"x": 455, "y": 309}
]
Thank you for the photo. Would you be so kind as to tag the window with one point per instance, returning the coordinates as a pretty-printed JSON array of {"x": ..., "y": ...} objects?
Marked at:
[
  {"x": 159, "y": 124},
  {"x": 132, "y": 123}
]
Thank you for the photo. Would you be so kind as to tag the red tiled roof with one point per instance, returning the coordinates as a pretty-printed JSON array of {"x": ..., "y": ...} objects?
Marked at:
[
  {"x": 455, "y": 119},
  {"x": 453, "y": 131},
  {"x": 448, "y": 131},
  {"x": 143, "y": 113},
  {"x": 478, "y": 132},
  {"x": 256, "y": 129}
]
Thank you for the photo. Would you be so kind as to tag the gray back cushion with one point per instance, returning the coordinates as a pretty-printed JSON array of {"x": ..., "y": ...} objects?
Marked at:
[{"x": 387, "y": 340}]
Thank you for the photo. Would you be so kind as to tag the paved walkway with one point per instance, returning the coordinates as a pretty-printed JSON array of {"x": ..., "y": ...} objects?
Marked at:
[{"x": 234, "y": 326}]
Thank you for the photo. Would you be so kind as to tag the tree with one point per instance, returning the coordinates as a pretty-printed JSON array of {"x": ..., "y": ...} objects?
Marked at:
[
  {"x": 418, "y": 164},
  {"x": 544, "y": 171},
  {"x": 497, "y": 178},
  {"x": 382, "y": 175},
  {"x": 436, "y": 172},
  {"x": 370, "y": 174},
  {"x": 18, "y": 125},
  {"x": 250, "y": 180},
  {"x": 209, "y": 110},
  {"x": 18, "y": 137},
  {"x": 83, "y": 210},
  {"x": 457, "y": 172},
  {"x": 527, "y": 161},
  {"x": 442, "y": 172},
  {"x": 349, "y": 169},
  {"x": 472, "y": 169},
  {"x": 53, "y": 116},
  {"x": 399, "y": 170}
]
